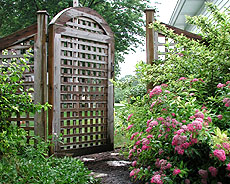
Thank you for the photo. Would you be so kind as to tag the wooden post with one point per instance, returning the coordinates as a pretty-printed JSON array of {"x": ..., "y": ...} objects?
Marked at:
[
  {"x": 149, "y": 40},
  {"x": 50, "y": 83},
  {"x": 40, "y": 74},
  {"x": 75, "y": 3}
]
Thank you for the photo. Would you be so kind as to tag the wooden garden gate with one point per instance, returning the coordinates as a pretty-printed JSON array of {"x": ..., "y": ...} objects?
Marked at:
[{"x": 80, "y": 65}]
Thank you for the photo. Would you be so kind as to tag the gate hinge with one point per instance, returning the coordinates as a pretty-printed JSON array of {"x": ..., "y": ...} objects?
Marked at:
[
  {"x": 112, "y": 70},
  {"x": 47, "y": 38}
]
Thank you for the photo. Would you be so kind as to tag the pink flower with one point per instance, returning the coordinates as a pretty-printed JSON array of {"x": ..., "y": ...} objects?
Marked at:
[
  {"x": 228, "y": 82},
  {"x": 160, "y": 119},
  {"x": 153, "y": 104},
  {"x": 226, "y": 145},
  {"x": 219, "y": 117},
  {"x": 191, "y": 94},
  {"x": 132, "y": 173},
  {"x": 129, "y": 117},
  {"x": 220, "y": 85},
  {"x": 194, "y": 80},
  {"x": 228, "y": 167},
  {"x": 150, "y": 136},
  {"x": 164, "y": 109},
  {"x": 134, "y": 163},
  {"x": 139, "y": 150},
  {"x": 209, "y": 119},
  {"x": 145, "y": 147},
  {"x": 148, "y": 122},
  {"x": 176, "y": 171},
  {"x": 191, "y": 117},
  {"x": 133, "y": 135},
  {"x": 164, "y": 85},
  {"x": 182, "y": 78},
  {"x": 130, "y": 126},
  {"x": 185, "y": 145},
  {"x": 145, "y": 141},
  {"x": 199, "y": 115},
  {"x": 203, "y": 181},
  {"x": 173, "y": 114},
  {"x": 187, "y": 181},
  {"x": 156, "y": 179},
  {"x": 179, "y": 150},
  {"x": 161, "y": 151},
  {"x": 138, "y": 143},
  {"x": 183, "y": 121},
  {"x": 153, "y": 123},
  {"x": 203, "y": 173},
  {"x": 168, "y": 166},
  {"x": 220, "y": 154},
  {"x": 159, "y": 135},
  {"x": 148, "y": 129},
  {"x": 155, "y": 91},
  {"x": 167, "y": 91},
  {"x": 180, "y": 131},
  {"x": 213, "y": 171},
  {"x": 226, "y": 100}
]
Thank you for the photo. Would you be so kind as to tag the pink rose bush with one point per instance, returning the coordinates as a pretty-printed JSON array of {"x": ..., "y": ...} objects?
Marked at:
[{"x": 168, "y": 146}]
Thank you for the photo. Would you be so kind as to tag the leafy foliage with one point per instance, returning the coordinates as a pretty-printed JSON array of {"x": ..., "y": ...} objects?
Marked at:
[
  {"x": 31, "y": 166},
  {"x": 207, "y": 59},
  {"x": 127, "y": 89},
  {"x": 180, "y": 129},
  {"x": 14, "y": 100}
]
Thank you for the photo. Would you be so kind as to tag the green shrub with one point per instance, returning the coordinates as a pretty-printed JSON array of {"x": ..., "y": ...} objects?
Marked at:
[
  {"x": 32, "y": 166},
  {"x": 180, "y": 129}
]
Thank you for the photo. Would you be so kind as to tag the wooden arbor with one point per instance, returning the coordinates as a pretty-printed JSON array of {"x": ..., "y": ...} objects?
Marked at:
[{"x": 81, "y": 57}]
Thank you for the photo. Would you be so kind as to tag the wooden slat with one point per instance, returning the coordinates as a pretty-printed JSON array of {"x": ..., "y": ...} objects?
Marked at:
[
  {"x": 83, "y": 109},
  {"x": 86, "y": 142},
  {"x": 82, "y": 126},
  {"x": 88, "y": 35},
  {"x": 83, "y": 134},
  {"x": 185, "y": 33},
  {"x": 18, "y": 36},
  {"x": 81, "y": 118},
  {"x": 84, "y": 60}
]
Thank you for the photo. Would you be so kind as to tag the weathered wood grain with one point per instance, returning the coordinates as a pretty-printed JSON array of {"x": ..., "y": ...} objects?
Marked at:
[{"x": 40, "y": 74}]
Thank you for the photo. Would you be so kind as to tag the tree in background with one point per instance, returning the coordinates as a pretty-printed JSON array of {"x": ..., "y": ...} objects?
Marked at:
[
  {"x": 124, "y": 17},
  {"x": 128, "y": 88}
]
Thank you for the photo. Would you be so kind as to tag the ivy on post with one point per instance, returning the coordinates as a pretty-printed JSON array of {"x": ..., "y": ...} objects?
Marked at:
[
  {"x": 149, "y": 40},
  {"x": 40, "y": 74}
]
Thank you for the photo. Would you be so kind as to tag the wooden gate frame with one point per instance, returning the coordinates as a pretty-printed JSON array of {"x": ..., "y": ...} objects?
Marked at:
[{"x": 57, "y": 26}]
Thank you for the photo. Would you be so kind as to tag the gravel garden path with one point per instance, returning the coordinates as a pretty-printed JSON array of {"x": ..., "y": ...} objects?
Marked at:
[{"x": 111, "y": 167}]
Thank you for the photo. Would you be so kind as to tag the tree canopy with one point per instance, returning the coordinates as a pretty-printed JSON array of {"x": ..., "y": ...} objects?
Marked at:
[{"x": 125, "y": 18}]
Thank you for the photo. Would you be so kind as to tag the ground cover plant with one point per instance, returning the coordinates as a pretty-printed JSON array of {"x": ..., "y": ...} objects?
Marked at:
[
  {"x": 19, "y": 161},
  {"x": 179, "y": 130}
]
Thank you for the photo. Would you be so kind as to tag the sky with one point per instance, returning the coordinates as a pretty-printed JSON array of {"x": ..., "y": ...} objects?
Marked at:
[{"x": 165, "y": 9}]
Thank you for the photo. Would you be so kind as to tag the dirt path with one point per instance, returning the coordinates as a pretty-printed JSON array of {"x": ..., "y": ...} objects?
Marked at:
[{"x": 111, "y": 167}]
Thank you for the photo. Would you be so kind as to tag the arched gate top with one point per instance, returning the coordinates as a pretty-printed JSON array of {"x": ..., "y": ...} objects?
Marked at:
[{"x": 69, "y": 14}]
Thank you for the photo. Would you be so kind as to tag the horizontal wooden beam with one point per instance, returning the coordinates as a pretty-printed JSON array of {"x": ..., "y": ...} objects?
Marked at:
[
  {"x": 185, "y": 33},
  {"x": 21, "y": 35}
]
